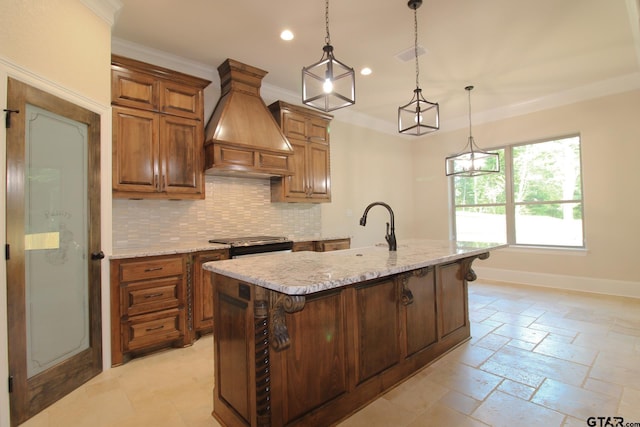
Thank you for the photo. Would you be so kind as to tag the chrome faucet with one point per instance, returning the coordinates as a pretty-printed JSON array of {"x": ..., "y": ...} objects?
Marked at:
[{"x": 390, "y": 237}]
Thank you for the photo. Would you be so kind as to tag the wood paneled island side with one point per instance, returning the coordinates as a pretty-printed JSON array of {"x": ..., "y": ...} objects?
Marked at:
[{"x": 307, "y": 338}]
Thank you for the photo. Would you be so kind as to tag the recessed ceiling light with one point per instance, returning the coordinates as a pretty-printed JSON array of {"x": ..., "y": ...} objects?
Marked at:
[
  {"x": 286, "y": 35},
  {"x": 365, "y": 71}
]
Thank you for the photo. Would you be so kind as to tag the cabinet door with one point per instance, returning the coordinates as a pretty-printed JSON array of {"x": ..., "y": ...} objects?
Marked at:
[
  {"x": 421, "y": 324},
  {"x": 452, "y": 299},
  {"x": 294, "y": 125},
  {"x": 180, "y": 100},
  {"x": 203, "y": 291},
  {"x": 377, "y": 328},
  {"x": 315, "y": 366},
  {"x": 135, "y": 150},
  {"x": 181, "y": 143},
  {"x": 318, "y": 130},
  {"x": 136, "y": 90},
  {"x": 295, "y": 186},
  {"x": 319, "y": 179}
]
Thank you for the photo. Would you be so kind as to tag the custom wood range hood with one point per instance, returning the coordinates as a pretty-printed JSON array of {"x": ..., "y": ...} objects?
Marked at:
[{"x": 242, "y": 137}]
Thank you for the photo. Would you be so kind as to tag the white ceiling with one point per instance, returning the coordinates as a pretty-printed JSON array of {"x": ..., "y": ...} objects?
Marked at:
[{"x": 520, "y": 55}]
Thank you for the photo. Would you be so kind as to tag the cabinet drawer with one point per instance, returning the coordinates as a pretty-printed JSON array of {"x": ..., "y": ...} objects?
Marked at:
[
  {"x": 151, "y": 329},
  {"x": 150, "y": 269},
  {"x": 303, "y": 246},
  {"x": 332, "y": 245},
  {"x": 145, "y": 297}
]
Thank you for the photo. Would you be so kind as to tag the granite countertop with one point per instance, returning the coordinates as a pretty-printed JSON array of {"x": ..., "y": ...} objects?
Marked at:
[
  {"x": 196, "y": 246},
  {"x": 167, "y": 249},
  {"x": 301, "y": 273}
]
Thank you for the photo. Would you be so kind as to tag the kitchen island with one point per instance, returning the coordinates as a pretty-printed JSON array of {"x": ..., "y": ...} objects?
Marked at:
[{"x": 307, "y": 338}]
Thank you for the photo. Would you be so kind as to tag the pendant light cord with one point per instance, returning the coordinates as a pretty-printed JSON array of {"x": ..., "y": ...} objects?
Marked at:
[
  {"x": 327, "y": 39},
  {"x": 415, "y": 45},
  {"x": 469, "y": 92}
]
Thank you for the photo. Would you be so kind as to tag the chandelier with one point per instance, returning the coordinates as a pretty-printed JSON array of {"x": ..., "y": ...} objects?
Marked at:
[{"x": 474, "y": 161}]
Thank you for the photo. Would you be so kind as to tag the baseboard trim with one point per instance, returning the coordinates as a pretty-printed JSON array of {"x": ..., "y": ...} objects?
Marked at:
[{"x": 558, "y": 281}]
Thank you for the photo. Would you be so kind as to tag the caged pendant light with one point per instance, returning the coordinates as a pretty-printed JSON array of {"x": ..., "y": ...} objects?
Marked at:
[
  {"x": 475, "y": 161},
  {"x": 328, "y": 84},
  {"x": 419, "y": 116}
]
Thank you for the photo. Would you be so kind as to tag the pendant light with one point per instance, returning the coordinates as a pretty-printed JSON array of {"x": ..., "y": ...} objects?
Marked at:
[
  {"x": 419, "y": 116},
  {"x": 475, "y": 161},
  {"x": 328, "y": 84}
]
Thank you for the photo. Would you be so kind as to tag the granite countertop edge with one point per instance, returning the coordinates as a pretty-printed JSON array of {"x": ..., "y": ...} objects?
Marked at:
[
  {"x": 196, "y": 246},
  {"x": 302, "y": 273}
]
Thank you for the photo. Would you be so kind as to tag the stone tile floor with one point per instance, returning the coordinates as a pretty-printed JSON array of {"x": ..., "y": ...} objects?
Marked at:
[{"x": 537, "y": 357}]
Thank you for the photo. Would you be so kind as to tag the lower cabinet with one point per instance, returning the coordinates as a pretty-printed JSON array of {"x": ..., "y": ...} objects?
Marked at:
[
  {"x": 203, "y": 291},
  {"x": 148, "y": 300},
  {"x": 160, "y": 301},
  {"x": 322, "y": 245}
]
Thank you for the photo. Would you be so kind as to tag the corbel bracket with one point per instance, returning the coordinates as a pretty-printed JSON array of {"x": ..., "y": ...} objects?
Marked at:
[
  {"x": 406, "y": 296},
  {"x": 281, "y": 304},
  {"x": 465, "y": 271}
]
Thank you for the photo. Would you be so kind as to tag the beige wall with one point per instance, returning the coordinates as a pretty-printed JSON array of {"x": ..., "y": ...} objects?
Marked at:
[
  {"x": 61, "y": 41},
  {"x": 62, "y": 47},
  {"x": 609, "y": 129},
  {"x": 368, "y": 166}
]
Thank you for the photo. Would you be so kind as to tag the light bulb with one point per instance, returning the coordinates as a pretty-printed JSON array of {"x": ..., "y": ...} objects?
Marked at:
[
  {"x": 327, "y": 86},
  {"x": 418, "y": 117}
]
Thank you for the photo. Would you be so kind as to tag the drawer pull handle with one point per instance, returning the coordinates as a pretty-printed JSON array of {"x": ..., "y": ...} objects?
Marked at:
[
  {"x": 159, "y": 294},
  {"x": 155, "y": 329},
  {"x": 153, "y": 269}
]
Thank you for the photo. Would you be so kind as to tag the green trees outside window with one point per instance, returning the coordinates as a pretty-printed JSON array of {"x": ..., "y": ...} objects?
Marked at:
[{"x": 535, "y": 200}]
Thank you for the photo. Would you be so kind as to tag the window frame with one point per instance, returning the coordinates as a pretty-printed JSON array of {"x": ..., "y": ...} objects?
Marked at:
[{"x": 510, "y": 204}]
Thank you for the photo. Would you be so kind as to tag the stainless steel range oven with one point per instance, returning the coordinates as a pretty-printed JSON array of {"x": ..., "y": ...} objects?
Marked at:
[{"x": 255, "y": 245}]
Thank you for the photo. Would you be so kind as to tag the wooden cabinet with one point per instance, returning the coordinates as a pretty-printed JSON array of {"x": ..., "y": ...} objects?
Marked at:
[
  {"x": 203, "y": 290},
  {"x": 332, "y": 245},
  {"x": 304, "y": 246},
  {"x": 314, "y": 359},
  {"x": 322, "y": 245},
  {"x": 158, "y": 132},
  {"x": 308, "y": 133},
  {"x": 148, "y": 301},
  {"x": 377, "y": 328}
]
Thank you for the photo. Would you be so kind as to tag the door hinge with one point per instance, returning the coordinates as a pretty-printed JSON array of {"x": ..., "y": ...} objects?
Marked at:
[
  {"x": 7, "y": 252},
  {"x": 7, "y": 118},
  {"x": 10, "y": 384}
]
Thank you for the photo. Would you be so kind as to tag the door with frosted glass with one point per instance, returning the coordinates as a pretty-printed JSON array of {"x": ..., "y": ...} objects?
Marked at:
[{"x": 53, "y": 238}]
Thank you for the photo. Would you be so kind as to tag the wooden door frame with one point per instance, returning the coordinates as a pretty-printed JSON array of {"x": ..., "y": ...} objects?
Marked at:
[{"x": 14, "y": 235}]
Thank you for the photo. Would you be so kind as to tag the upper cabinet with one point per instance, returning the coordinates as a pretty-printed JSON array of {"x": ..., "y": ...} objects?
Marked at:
[
  {"x": 158, "y": 131},
  {"x": 308, "y": 133}
]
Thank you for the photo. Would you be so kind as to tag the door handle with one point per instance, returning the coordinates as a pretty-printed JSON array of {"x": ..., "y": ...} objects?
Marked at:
[{"x": 97, "y": 255}]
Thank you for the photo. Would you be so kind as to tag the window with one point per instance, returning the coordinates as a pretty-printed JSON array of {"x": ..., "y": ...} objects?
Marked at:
[{"x": 535, "y": 200}]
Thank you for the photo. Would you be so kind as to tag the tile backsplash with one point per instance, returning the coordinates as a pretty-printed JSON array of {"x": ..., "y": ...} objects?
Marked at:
[{"x": 233, "y": 206}]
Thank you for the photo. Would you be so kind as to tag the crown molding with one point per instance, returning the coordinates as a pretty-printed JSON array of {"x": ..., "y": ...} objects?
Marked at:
[
  {"x": 599, "y": 89},
  {"x": 270, "y": 93},
  {"x": 105, "y": 9},
  {"x": 154, "y": 56}
]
